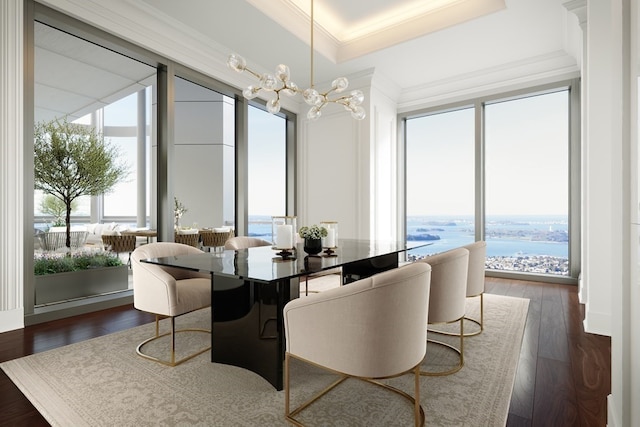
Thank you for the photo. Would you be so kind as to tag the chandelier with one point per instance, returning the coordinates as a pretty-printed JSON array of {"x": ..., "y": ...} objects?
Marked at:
[{"x": 280, "y": 83}]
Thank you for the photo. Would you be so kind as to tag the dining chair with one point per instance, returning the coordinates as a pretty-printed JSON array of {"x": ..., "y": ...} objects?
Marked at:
[
  {"x": 475, "y": 279},
  {"x": 120, "y": 243},
  {"x": 393, "y": 307},
  {"x": 187, "y": 237},
  {"x": 168, "y": 292},
  {"x": 447, "y": 302},
  {"x": 244, "y": 242}
]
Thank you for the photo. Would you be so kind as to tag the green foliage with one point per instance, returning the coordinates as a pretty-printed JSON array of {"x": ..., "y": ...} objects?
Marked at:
[
  {"x": 51, "y": 205},
  {"x": 73, "y": 160},
  {"x": 51, "y": 264},
  {"x": 313, "y": 232}
]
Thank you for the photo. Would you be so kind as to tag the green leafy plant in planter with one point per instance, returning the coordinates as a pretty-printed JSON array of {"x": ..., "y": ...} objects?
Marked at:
[{"x": 83, "y": 260}]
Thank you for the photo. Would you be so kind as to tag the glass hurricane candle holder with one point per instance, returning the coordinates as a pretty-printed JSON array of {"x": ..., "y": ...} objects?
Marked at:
[
  {"x": 283, "y": 229},
  {"x": 330, "y": 241}
]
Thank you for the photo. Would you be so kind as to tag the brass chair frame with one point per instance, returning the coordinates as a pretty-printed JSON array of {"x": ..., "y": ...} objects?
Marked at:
[
  {"x": 418, "y": 411},
  {"x": 459, "y": 351},
  {"x": 172, "y": 332}
]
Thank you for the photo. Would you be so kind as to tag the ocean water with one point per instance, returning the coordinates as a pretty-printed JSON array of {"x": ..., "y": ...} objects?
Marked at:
[{"x": 506, "y": 236}]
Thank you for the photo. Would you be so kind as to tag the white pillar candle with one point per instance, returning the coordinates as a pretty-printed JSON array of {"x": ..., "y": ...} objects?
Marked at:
[
  {"x": 330, "y": 240},
  {"x": 284, "y": 236}
]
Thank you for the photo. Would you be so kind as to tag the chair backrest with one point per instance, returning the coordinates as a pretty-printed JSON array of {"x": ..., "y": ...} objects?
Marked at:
[
  {"x": 477, "y": 260},
  {"x": 373, "y": 327},
  {"x": 154, "y": 286},
  {"x": 215, "y": 238},
  {"x": 448, "y": 285},
  {"x": 191, "y": 239},
  {"x": 119, "y": 243},
  {"x": 244, "y": 242}
]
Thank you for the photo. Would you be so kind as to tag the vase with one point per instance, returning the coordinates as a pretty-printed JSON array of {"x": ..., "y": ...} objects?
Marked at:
[{"x": 312, "y": 246}]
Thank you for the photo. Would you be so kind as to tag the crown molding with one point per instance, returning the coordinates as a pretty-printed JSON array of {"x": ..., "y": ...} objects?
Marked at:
[{"x": 555, "y": 66}]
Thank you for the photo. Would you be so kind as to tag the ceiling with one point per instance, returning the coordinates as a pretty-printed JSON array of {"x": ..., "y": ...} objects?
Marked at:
[{"x": 411, "y": 43}]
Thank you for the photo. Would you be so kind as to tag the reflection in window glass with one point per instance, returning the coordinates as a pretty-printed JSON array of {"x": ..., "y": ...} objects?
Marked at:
[
  {"x": 440, "y": 181},
  {"x": 527, "y": 184},
  {"x": 267, "y": 171}
]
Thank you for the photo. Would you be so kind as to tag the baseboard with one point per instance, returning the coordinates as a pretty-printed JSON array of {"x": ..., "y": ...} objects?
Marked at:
[
  {"x": 612, "y": 416},
  {"x": 597, "y": 323},
  {"x": 11, "y": 319}
]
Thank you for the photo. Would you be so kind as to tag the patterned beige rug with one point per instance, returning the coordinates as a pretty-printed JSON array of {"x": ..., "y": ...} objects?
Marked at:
[{"x": 101, "y": 382}]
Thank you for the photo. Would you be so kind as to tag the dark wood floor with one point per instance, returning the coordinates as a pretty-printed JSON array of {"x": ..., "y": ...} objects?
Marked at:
[{"x": 563, "y": 379}]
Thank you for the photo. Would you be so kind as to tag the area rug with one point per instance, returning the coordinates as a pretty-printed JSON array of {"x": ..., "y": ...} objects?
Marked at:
[{"x": 102, "y": 382}]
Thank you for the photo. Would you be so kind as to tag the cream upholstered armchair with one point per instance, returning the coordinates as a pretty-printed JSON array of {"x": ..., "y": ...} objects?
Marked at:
[
  {"x": 168, "y": 292},
  {"x": 447, "y": 302},
  {"x": 244, "y": 242},
  {"x": 393, "y": 305},
  {"x": 475, "y": 279}
]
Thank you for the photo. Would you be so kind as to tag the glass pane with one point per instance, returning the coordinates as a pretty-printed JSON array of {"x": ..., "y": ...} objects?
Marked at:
[
  {"x": 204, "y": 163},
  {"x": 82, "y": 83},
  {"x": 440, "y": 181},
  {"x": 267, "y": 171},
  {"x": 121, "y": 130},
  {"x": 527, "y": 184}
]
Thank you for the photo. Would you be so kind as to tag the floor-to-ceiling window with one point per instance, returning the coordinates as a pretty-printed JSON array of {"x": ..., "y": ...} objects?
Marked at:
[
  {"x": 267, "y": 170},
  {"x": 440, "y": 180},
  {"x": 527, "y": 184},
  {"x": 497, "y": 169}
]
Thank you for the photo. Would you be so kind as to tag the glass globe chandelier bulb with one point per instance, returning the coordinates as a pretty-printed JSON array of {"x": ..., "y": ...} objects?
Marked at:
[
  {"x": 250, "y": 92},
  {"x": 273, "y": 106},
  {"x": 357, "y": 97},
  {"x": 290, "y": 88},
  {"x": 236, "y": 63},
  {"x": 340, "y": 84},
  {"x": 311, "y": 96},
  {"x": 358, "y": 113},
  {"x": 268, "y": 82},
  {"x": 314, "y": 113},
  {"x": 282, "y": 73}
]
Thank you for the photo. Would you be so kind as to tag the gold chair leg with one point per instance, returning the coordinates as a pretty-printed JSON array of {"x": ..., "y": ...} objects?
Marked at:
[
  {"x": 418, "y": 411},
  {"x": 459, "y": 351},
  {"x": 172, "y": 334}
]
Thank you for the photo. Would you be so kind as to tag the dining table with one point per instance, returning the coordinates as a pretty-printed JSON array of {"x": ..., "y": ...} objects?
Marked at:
[{"x": 250, "y": 287}]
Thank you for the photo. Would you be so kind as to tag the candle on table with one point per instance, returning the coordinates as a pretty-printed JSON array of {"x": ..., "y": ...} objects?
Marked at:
[
  {"x": 284, "y": 236},
  {"x": 330, "y": 240}
]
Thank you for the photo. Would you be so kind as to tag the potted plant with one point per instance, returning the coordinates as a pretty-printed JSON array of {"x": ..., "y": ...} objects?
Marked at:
[
  {"x": 61, "y": 277},
  {"x": 312, "y": 238}
]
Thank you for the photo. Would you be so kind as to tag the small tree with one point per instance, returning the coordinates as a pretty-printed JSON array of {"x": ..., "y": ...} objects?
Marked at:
[
  {"x": 73, "y": 160},
  {"x": 55, "y": 207}
]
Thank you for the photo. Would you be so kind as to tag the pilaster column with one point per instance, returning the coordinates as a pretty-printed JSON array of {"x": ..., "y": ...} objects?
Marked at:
[{"x": 11, "y": 165}]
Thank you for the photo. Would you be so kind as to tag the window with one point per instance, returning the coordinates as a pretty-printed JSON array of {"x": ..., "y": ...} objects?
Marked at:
[
  {"x": 508, "y": 183},
  {"x": 440, "y": 180},
  {"x": 267, "y": 165},
  {"x": 527, "y": 184}
]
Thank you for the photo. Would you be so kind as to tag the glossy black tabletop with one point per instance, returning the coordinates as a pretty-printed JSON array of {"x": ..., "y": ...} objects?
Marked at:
[{"x": 263, "y": 263}]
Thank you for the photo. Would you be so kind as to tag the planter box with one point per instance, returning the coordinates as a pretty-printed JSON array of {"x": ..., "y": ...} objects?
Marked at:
[{"x": 79, "y": 284}]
